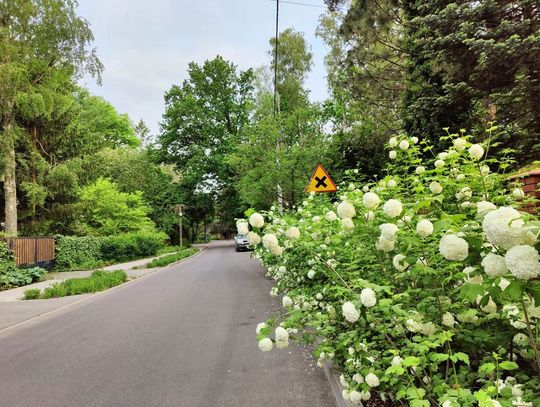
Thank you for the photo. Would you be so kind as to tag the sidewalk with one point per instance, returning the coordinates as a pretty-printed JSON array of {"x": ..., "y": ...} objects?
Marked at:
[{"x": 16, "y": 294}]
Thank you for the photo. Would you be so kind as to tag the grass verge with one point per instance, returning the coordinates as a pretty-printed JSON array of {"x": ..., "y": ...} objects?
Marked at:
[
  {"x": 171, "y": 258},
  {"x": 98, "y": 281}
]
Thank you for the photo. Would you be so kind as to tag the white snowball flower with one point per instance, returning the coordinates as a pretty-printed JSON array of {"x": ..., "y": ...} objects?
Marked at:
[
  {"x": 443, "y": 155},
  {"x": 518, "y": 193},
  {"x": 292, "y": 233},
  {"x": 253, "y": 239},
  {"x": 484, "y": 170},
  {"x": 393, "y": 208},
  {"x": 439, "y": 164},
  {"x": 392, "y": 184},
  {"x": 504, "y": 283},
  {"x": 523, "y": 262},
  {"x": 371, "y": 200},
  {"x": 316, "y": 219},
  {"x": 484, "y": 206},
  {"x": 350, "y": 312},
  {"x": 504, "y": 228},
  {"x": 282, "y": 344},
  {"x": 453, "y": 247},
  {"x": 420, "y": 170},
  {"x": 311, "y": 274},
  {"x": 460, "y": 144},
  {"x": 242, "y": 227},
  {"x": 319, "y": 296},
  {"x": 270, "y": 240},
  {"x": 397, "y": 262},
  {"x": 282, "y": 270},
  {"x": 476, "y": 151},
  {"x": 424, "y": 228},
  {"x": 330, "y": 216},
  {"x": 385, "y": 245},
  {"x": 396, "y": 361},
  {"x": 346, "y": 210},
  {"x": 404, "y": 145},
  {"x": 287, "y": 302},
  {"x": 365, "y": 188},
  {"x": 393, "y": 142},
  {"x": 388, "y": 231},
  {"x": 521, "y": 339},
  {"x": 435, "y": 188},
  {"x": 256, "y": 220},
  {"x": 372, "y": 380},
  {"x": 274, "y": 292},
  {"x": 490, "y": 307},
  {"x": 448, "y": 320},
  {"x": 355, "y": 396},
  {"x": 414, "y": 140},
  {"x": 277, "y": 250},
  {"x": 358, "y": 378},
  {"x": 494, "y": 265},
  {"x": 266, "y": 344},
  {"x": 260, "y": 327},
  {"x": 347, "y": 223},
  {"x": 282, "y": 334},
  {"x": 392, "y": 154},
  {"x": 368, "y": 298}
]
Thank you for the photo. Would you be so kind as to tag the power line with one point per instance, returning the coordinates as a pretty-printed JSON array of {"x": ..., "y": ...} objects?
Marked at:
[{"x": 301, "y": 4}]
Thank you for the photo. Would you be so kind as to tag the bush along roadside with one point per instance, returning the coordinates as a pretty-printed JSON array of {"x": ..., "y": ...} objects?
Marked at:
[
  {"x": 171, "y": 258},
  {"x": 79, "y": 253},
  {"x": 97, "y": 281},
  {"x": 12, "y": 276},
  {"x": 422, "y": 288}
]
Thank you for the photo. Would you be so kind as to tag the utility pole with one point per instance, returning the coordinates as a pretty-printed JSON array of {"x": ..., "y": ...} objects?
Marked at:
[
  {"x": 180, "y": 216},
  {"x": 276, "y": 103}
]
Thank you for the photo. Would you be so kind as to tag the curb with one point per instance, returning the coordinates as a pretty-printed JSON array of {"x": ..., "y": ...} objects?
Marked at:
[{"x": 90, "y": 296}]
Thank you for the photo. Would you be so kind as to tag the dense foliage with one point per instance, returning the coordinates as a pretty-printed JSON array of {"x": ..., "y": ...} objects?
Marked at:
[
  {"x": 10, "y": 275},
  {"x": 421, "y": 288},
  {"x": 87, "y": 252}
]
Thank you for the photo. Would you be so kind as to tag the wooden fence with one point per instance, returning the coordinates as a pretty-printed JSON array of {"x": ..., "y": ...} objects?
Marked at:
[{"x": 31, "y": 251}]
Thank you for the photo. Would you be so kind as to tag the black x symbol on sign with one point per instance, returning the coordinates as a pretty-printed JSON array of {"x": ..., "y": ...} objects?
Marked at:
[{"x": 320, "y": 182}]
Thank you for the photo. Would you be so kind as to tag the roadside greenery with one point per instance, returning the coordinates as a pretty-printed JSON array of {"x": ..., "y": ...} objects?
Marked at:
[
  {"x": 98, "y": 281},
  {"x": 87, "y": 252},
  {"x": 421, "y": 288},
  {"x": 12, "y": 276},
  {"x": 171, "y": 258}
]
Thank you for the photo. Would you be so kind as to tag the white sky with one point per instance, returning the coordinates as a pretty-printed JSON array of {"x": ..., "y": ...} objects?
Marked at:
[{"x": 147, "y": 45}]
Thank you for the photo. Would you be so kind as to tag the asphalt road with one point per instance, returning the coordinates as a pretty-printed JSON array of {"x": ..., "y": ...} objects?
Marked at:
[{"x": 181, "y": 337}]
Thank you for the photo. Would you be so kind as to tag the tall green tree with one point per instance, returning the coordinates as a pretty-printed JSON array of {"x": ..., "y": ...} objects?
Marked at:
[
  {"x": 44, "y": 45},
  {"x": 203, "y": 123}
]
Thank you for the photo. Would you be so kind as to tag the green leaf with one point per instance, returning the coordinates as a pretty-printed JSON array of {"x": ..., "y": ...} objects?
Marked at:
[
  {"x": 515, "y": 290},
  {"x": 487, "y": 368},
  {"x": 410, "y": 361},
  {"x": 507, "y": 365},
  {"x": 415, "y": 393},
  {"x": 463, "y": 357},
  {"x": 397, "y": 370},
  {"x": 439, "y": 357},
  {"x": 472, "y": 291}
]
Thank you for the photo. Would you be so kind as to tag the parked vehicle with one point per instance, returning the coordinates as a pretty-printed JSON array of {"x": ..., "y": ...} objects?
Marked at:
[{"x": 241, "y": 243}]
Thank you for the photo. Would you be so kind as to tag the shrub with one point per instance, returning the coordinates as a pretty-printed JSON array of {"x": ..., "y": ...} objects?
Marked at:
[
  {"x": 171, "y": 258},
  {"x": 10, "y": 275},
  {"x": 32, "y": 294},
  {"x": 131, "y": 246},
  {"x": 98, "y": 281},
  {"x": 422, "y": 290},
  {"x": 77, "y": 253}
]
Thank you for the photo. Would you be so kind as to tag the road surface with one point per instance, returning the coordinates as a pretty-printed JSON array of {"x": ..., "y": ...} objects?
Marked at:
[{"x": 181, "y": 337}]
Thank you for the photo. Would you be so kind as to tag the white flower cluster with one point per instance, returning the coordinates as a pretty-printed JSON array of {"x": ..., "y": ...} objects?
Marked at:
[
  {"x": 387, "y": 239},
  {"x": 393, "y": 208},
  {"x": 504, "y": 228},
  {"x": 453, "y": 247},
  {"x": 256, "y": 220},
  {"x": 350, "y": 312}
]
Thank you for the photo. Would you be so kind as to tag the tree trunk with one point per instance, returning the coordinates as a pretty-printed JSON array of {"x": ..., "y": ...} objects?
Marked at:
[{"x": 10, "y": 185}]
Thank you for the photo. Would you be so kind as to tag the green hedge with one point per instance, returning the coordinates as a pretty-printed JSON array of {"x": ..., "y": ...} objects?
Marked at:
[
  {"x": 131, "y": 246},
  {"x": 77, "y": 253},
  {"x": 74, "y": 253}
]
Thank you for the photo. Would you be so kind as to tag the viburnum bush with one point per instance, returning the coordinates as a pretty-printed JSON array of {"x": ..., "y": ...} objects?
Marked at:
[{"x": 421, "y": 288}]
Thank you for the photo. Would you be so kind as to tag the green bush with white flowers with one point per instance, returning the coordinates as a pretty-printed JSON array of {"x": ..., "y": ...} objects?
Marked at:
[{"x": 421, "y": 288}]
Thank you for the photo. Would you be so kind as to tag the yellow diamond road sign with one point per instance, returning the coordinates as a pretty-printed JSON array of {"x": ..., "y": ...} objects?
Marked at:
[{"x": 321, "y": 181}]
